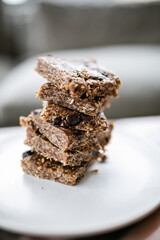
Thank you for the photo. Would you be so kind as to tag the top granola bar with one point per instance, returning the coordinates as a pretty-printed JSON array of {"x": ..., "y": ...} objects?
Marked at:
[{"x": 82, "y": 78}]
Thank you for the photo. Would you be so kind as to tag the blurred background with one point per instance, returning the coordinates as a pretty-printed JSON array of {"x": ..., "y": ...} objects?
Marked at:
[{"x": 124, "y": 35}]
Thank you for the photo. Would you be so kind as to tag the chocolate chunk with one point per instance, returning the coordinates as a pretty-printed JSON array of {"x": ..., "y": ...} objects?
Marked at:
[
  {"x": 107, "y": 139},
  {"x": 93, "y": 105},
  {"x": 96, "y": 98},
  {"x": 34, "y": 126},
  {"x": 92, "y": 123},
  {"x": 58, "y": 121},
  {"x": 95, "y": 153},
  {"x": 83, "y": 96},
  {"x": 73, "y": 119},
  {"x": 84, "y": 117},
  {"x": 78, "y": 134},
  {"x": 27, "y": 153},
  {"x": 86, "y": 64},
  {"x": 105, "y": 73},
  {"x": 78, "y": 180},
  {"x": 36, "y": 111},
  {"x": 97, "y": 78}
]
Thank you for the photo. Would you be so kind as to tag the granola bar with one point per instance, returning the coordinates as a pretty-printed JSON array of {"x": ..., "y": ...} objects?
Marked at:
[
  {"x": 65, "y": 139},
  {"x": 79, "y": 77},
  {"x": 37, "y": 165},
  {"x": 48, "y": 92},
  {"x": 67, "y": 118},
  {"x": 44, "y": 147}
]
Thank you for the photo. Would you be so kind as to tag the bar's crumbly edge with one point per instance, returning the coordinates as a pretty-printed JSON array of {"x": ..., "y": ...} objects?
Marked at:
[
  {"x": 79, "y": 77},
  {"x": 72, "y": 119},
  {"x": 66, "y": 139},
  {"x": 38, "y": 166},
  {"x": 48, "y": 92}
]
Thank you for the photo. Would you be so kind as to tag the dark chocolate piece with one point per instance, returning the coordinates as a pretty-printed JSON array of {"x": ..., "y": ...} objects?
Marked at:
[
  {"x": 27, "y": 153},
  {"x": 73, "y": 119}
]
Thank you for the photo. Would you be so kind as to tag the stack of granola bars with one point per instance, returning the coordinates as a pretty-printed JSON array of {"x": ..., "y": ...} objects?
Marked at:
[{"x": 70, "y": 132}]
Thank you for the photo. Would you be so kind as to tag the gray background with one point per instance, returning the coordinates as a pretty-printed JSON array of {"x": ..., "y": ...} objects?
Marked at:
[{"x": 122, "y": 35}]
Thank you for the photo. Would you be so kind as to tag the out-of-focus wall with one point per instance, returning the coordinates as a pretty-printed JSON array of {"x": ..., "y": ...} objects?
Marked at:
[
  {"x": 40, "y": 26},
  {"x": 4, "y": 38},
  {"x": 57, "y": 26},
  {"x": 129, "y": 31}
]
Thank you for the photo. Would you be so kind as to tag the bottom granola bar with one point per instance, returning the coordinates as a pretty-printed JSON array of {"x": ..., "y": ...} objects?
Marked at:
[{"x": 36, "y": 165}]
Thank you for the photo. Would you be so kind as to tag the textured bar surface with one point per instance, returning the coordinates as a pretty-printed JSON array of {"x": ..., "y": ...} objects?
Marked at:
[
  {"x": 48, "y": 92},
  {"x": 79, "y": 77},
  {"x": 67, "y": 118},
  {"x": 37, "y": 165},
  {"x": 45, "y": 148},
  {"x": 65, "y": 139}
]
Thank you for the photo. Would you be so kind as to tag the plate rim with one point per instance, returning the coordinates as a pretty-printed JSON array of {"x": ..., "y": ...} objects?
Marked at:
[{"x": 89, "y": 234}]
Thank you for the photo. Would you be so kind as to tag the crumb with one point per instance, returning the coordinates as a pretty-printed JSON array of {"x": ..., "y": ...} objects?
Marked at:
[
  {"x": 94, "y": 171},
  {"x": 72, "y": 101},
  {"x": 42, "y": 187},
  {"x": 102, "y": 159}
]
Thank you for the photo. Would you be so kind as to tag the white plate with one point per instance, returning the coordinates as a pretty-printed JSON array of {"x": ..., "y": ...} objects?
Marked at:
[{"x": 126, "y": 189}]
